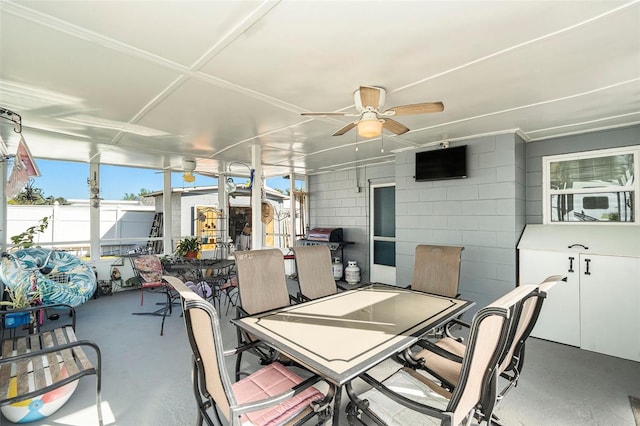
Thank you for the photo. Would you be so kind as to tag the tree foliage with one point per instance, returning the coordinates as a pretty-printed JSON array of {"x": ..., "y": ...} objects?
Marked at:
[{"x": 136, "y": 197}]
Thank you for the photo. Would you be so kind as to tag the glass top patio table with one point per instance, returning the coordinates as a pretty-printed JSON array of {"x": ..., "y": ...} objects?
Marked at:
[{"x": 342, "y": 335}]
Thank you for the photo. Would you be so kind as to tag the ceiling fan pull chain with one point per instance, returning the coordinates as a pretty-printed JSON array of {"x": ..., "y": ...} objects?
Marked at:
[{"x": 382, "y": 142}]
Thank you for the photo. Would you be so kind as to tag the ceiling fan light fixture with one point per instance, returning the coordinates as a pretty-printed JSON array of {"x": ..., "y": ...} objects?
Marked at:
[
  {"x": 188, "y": 177},
  {"x": 370, "y": 128}
]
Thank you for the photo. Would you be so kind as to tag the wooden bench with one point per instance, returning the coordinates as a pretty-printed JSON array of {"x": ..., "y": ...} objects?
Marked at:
[{"x": 45, "y": 356}]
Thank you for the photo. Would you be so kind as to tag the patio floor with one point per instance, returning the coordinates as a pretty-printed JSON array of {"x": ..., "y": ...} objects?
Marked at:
[{"x": 147, "y": 377}]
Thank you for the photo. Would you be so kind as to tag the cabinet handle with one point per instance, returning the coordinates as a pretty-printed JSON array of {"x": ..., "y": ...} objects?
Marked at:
[
  {"x": 571, "y": 264},
  {"x": 579, "y": 245},
  {"x": 587, "y": 262}
]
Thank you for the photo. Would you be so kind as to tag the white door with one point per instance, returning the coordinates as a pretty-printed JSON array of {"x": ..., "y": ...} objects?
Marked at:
[
  {"x": 559, "y": 319},
  {"x": 382, "y": 250},
  {"x": 609, "y": 300}
]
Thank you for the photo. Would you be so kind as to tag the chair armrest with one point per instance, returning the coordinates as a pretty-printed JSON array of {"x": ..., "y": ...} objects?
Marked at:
[
  {"x": 400, "y": 399},
  {"x": 248, "y": 342},
  {"x": 248, "y": 346},
  {"x": 458, "y": 322}
]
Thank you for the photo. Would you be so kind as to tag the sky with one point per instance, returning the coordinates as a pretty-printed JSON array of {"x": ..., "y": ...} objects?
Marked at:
[{"x": 69, "y": 180}]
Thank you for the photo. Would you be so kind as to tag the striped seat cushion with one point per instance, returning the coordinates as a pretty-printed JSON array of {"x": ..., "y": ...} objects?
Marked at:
[{"x": 269, "y": 381}]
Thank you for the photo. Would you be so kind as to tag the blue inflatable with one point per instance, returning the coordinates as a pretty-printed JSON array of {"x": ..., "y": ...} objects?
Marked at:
[{"x": 61, "y": 277}]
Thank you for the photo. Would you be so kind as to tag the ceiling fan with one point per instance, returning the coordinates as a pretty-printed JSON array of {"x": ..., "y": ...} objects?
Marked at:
[{"x": 369, "y": 101}]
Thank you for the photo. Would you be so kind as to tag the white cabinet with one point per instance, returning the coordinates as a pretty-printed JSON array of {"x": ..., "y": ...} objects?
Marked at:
[
  {"x": 610, "y": 305},
  {"x": 598, "y": 308},
  {"x": 560, "y": 318}
]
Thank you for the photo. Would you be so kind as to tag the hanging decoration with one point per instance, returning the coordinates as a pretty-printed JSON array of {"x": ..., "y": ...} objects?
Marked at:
[
  {"x": 94, "y": 189},
  {"x": 13, "y": 117},
  {"x": 24, "y": 167}
]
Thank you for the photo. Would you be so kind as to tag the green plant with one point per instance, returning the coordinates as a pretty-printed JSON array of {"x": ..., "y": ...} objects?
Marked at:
[
  {"x": 25, "y": 239},
  {"x": 187, "y": 244},
  {"x": 22, "y": 295}
]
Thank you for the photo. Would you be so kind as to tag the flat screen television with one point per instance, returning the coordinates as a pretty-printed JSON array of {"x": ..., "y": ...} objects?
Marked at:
[{"x": 446, "y": 163}]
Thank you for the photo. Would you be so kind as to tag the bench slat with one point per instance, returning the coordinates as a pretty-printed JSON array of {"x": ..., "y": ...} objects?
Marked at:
[
  {"x": 82, "y": 358},
  {"x": 52, "y": 357},
  {"x": 5, "y": 369},
  {"x": 67, "y": 355},
  {"x": 22, "y": 366},
  {"x": 38, "y": 365}
]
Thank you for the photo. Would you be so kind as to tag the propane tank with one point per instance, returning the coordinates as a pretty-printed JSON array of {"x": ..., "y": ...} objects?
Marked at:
[
  {"x": 337, "y": 268},
  {"x": 352, "y": 272}
]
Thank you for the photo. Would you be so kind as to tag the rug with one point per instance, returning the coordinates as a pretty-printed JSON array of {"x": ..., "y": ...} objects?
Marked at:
[{"x": 635, "y": 408}]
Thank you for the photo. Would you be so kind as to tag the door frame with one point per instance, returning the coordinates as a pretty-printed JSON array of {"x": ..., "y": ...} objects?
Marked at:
[{"x": 379, "y": 273}]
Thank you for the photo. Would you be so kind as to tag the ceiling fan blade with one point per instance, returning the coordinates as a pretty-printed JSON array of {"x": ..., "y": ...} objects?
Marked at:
[
  {"x": 370, "y": 96},
  {"x": 394, "y": 126},
  {"x": 324, "y": 113},
  {"x": 345, "y": 129},
  {"x": 417, "y": 108}
]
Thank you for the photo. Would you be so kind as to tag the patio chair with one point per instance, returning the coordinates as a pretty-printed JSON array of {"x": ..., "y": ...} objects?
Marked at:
[
  {"x": 315, "y": 277},
  {"x": 262, "y": 286},
  {"x": 443, "y": 358},
  {"x": 436, "y": 269},
  {"x": 415, "y": 399},
  {"x": 224, "y": 285},
  {"x": 148, "y": 269},
  {"x": 271, "y": 395}
]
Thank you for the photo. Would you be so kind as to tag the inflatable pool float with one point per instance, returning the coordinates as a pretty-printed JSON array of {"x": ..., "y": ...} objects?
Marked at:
[
  {"x": 61, "y": 277},
  {"x": 40, "y": 406}
]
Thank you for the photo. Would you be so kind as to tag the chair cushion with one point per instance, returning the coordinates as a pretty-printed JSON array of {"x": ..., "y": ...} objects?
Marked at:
[
  {"x": 150, "y": 268},
  {"x": 269, "y": 381},
  {"x": 395, "y": 414}
]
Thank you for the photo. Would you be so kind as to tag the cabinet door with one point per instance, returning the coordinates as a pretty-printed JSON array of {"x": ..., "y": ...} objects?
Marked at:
[
  {"x": 610, "y": 305},
  {"x": 559, "y": 320}
]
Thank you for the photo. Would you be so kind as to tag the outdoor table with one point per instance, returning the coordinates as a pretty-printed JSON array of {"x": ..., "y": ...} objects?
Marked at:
[
  {"x": 219, "y": 266},
  {"x": 345, "y": 334}
]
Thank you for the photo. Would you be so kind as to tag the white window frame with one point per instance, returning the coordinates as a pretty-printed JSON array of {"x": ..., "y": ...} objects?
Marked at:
[{"x": 547, "y": 192}]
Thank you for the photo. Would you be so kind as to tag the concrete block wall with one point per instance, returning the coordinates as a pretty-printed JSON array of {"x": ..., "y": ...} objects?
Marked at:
[
  {"x": 484, "y": 213},
  {"x": 341, "y": 200}
]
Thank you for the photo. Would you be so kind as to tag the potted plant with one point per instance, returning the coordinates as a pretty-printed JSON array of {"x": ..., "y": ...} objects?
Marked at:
[
  {"x": 23, "y": 295},
  {"x": 188, "y": 247}
]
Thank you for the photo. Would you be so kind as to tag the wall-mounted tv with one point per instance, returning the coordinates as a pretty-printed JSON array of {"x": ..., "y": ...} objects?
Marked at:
[{"x": 446, "y": 163}]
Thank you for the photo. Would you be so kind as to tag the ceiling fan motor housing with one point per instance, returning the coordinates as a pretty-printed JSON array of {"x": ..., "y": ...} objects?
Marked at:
[{"x": 188, "y": 164}]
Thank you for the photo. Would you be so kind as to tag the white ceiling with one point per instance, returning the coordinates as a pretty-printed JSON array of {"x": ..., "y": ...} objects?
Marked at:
[{"x": 146, "y": 83}]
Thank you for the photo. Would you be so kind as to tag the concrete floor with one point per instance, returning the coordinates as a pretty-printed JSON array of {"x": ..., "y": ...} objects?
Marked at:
[{"x": 147, "y": 377}]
